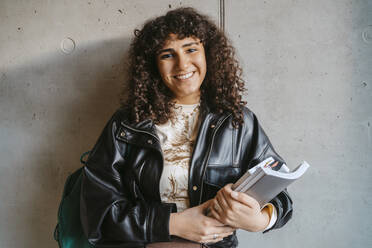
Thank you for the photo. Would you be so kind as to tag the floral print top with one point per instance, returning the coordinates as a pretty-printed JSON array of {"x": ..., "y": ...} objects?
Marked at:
[{"x": 177, "y": 138}]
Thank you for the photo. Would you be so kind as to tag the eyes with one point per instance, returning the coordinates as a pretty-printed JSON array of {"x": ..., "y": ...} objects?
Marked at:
[{"x": 168, "y": 55}]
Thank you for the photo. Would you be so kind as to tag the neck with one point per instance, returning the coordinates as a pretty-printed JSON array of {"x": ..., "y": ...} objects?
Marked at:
[{"x": 193, "y": 99}]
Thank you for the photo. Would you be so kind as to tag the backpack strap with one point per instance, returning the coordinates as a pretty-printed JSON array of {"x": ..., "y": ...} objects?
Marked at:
[{"x": 83, "y": 156}]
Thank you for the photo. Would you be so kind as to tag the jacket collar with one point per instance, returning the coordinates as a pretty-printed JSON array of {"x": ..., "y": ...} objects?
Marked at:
[{"x": 147, "y": 127}]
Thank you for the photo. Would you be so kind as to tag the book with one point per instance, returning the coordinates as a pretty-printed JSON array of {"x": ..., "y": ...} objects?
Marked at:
[{"x": 263, "y": 183}]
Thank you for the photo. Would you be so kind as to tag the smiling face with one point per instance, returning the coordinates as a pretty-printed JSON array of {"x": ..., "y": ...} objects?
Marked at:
[{"x": 182, "y": 66}]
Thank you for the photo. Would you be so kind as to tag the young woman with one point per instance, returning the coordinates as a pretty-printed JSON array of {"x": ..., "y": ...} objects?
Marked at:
[{"x": 177, "y": 144}]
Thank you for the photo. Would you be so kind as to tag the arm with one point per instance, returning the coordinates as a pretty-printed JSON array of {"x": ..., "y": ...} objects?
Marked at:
[
  {"x": 110, "y": 213},
  {"x": 261, "y": 148},
  {"x": 269, "y": 207},
  {"x": 257, "y": 147}
]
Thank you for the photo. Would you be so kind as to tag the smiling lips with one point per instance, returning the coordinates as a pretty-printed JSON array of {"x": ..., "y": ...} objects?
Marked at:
[{"x": 184, "y": 76}]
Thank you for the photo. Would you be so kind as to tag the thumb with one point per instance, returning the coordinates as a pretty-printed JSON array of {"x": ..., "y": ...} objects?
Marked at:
[{"x": 206, "y": 204}]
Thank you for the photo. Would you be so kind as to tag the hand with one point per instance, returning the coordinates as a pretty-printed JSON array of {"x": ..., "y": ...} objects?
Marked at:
[
  {"x": 238, "y": 210},
  {"x": 193, "y": 225}
]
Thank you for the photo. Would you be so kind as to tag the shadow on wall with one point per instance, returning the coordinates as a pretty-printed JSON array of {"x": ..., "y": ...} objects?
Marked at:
[{"x": 53, "y": 109}]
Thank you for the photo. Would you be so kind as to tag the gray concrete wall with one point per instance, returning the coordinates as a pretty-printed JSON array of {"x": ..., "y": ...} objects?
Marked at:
[{"x": 308, "y": 70}]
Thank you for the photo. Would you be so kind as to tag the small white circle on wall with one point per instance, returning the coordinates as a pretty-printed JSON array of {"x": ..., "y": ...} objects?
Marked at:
[
  {"x": 67, "y": 45},
  {"x": 367, "y": 34}
]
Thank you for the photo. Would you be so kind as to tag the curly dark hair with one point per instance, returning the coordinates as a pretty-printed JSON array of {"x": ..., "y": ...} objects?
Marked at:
[{"x": 148, "y": 96}]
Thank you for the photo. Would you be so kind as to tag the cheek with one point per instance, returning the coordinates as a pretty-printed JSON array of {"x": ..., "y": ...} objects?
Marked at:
[
  {"x": 202, "y": 64},
  {"x": 164, "y": 70},
  {"x": 165, "y": 76},
  {"x": 167, "y": 81},
  {"x": 203, "y": 57}
]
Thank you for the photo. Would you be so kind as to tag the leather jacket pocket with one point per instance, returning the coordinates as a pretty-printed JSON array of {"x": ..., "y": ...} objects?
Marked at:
[{"x": 216, "y": 177}]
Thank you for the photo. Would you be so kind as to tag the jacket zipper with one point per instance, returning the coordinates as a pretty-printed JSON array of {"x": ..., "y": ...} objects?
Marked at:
[
  {"x": 209, "y": 154},
  {"x": 140, "y": 131},
  {"x": 140, "y": 175}
]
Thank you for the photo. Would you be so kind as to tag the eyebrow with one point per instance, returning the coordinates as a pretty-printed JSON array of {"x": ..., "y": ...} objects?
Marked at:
[{"x": 184, "y": 45}]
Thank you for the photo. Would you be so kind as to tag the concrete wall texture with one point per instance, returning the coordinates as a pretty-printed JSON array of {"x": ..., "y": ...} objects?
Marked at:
[{"x": 307, "y": 67}]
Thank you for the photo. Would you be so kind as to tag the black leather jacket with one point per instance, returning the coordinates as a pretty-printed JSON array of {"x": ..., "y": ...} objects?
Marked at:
[{"x": 120, "y": 199}]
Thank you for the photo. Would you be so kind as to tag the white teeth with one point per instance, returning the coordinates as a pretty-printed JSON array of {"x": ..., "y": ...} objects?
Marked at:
[{"x": 185, "y": 76}]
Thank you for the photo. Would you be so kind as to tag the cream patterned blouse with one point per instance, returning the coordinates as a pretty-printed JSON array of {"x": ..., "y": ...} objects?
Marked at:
[{"x": 177, "y": 138}]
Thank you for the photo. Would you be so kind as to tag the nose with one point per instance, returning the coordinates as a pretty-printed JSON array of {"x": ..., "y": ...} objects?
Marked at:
[{"x": 182, "y": 61}]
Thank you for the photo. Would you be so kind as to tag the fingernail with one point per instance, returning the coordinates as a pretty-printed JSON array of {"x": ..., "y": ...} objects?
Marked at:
[{"x": 234, "y": 194}]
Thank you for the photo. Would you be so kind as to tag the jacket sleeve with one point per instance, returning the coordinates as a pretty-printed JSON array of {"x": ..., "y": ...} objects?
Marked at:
[
  {"x": 261, "y": 148},
  {"x": 111, "y": 215}
]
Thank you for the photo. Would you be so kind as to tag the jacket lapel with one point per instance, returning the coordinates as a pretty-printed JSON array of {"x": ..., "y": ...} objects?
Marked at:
[{"x": 141, "y": 134}]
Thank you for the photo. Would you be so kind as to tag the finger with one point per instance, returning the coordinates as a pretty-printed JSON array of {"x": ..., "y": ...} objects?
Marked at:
[
  {"x": 222, "y": 201},
  {"x": 220, "y": 204},
  {"x": 213, "y": 222},
  {"x": 215, "y": 205},
  {"x": 224, "y": 235},
  {"x": 206, "y": 204},
  {"x": 244, "y": 199},
  {"x": 227, "y": 197},
  {"x": 228, "y": 188},
  {"x": 217, "y": 237},
  {"x": 215, "y": 214},
  {"x": 215, "y": 226},
  {"x": 220, "y": 230},
  {"x": 212, "y": 241}
]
